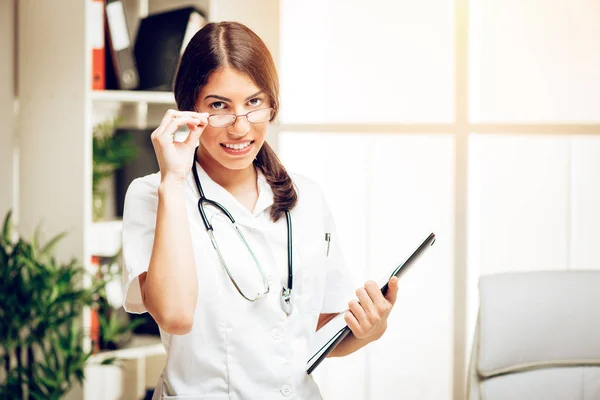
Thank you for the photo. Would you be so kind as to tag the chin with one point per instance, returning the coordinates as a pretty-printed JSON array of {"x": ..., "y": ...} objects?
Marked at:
[{"x": 238, "y": 165}]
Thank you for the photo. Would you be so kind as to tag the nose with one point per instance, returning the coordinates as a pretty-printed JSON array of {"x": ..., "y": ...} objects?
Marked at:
[{"x": 240, "y": 127}]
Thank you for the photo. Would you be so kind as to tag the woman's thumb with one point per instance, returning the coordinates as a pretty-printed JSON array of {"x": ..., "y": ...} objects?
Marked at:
[{"x": 392, "y": 292}]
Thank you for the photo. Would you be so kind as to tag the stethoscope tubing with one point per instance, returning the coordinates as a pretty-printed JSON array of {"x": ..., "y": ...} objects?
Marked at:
[{"x": 203, "y": 200}]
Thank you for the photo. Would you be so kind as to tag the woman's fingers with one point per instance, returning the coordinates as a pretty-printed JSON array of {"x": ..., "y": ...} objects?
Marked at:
[
  {"x": 174, "y": 157},
  {"x": 353, "y": 324},
  {"x": 169, "y": 115},
  {"x": 374, "y": 292},
  {"x": 179, "y": 117},
  {"x": 365, "y": 301},
  {"x": 174, "y": 125},
  {"x": 196, "y": 130},
  {"x": 358, "y": 311}
]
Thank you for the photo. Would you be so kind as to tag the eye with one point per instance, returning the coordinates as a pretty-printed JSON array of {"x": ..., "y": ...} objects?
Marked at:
[
  {"x": 257, "y": 101},
  {"x": 217, "y": 105}
]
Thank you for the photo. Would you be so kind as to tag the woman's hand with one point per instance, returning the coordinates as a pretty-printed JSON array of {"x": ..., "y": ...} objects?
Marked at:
[
  {"x": 175, "y": 159},
  {"x": 367, "y": 318}
]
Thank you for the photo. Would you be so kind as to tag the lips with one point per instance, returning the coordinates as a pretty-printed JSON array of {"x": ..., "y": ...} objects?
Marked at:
[{"x": 239, "y": 148}]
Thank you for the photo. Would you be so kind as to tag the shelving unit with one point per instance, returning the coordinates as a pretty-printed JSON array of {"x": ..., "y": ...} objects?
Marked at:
[
  {"x": 138, "y": 368},
  {"x": 132, "y": 96},
  {"x": 142, "y": 360},
  {"x": 105, "y": 238},
  {"x": 54, "y": 127},
  {"x": 140, "y": 346}
]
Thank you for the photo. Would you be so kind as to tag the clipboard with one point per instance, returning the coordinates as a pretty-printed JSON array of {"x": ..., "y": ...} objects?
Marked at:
[{"x": 333, "y": 332}]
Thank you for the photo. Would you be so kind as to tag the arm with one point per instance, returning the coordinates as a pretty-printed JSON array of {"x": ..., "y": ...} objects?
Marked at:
[{"x": 170, "y": 286}]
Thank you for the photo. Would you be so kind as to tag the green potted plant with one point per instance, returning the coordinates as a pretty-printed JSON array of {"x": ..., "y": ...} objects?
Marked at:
[
  {"x": 110, "y": 152},
  {"x": 115, "y": 326},
  {"x": 42, "y": 350}
]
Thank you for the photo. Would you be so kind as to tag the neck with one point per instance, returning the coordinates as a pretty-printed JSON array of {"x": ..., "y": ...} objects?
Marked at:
[{"x": 229, "y": 179}]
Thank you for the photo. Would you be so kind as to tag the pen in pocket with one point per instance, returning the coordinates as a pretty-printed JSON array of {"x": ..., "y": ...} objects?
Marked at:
[{"x": 328, "y": 240}]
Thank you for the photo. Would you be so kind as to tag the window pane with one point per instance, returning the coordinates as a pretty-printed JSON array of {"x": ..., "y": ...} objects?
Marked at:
[
  {"x": 521, "y": 196},
  {"x": 535, "y": 61},
  {"x": 377, "y": 61},
  {"x": 411, "y": 194},
  {"x": 337, "y": 163},
  {"x": 585, "y": 198},
  {"x": 517, "y": 208},
  {"x": 387, "y": 193}
]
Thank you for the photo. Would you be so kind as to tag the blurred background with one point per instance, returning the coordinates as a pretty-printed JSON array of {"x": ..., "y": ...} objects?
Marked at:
[{"x": 478, "y": 120}]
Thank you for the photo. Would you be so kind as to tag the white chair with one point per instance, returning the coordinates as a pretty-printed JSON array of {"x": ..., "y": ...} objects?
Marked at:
[{"x": 537, "y": 337}]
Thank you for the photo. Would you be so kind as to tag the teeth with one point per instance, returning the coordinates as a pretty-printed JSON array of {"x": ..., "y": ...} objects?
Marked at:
[{"x": 237, "y": 146}]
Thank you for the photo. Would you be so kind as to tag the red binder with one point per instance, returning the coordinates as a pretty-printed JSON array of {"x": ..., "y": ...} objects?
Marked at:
[
  {"x": 95, "y": 318},
  {"x": 98, "y": 47}
]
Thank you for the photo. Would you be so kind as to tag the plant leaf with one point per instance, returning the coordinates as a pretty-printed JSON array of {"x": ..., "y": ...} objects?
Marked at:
[
  {"x": 7, "y": 229},
  {"x": 50, "y": 246},
  {"x": 109, "y": 361}
]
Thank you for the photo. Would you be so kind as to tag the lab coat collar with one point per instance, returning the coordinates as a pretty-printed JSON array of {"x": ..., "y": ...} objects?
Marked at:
[{"x": 214, "y": 191}]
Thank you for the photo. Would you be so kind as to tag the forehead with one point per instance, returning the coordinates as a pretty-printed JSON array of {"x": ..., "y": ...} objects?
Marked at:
[{"x": 230, "y": 83}]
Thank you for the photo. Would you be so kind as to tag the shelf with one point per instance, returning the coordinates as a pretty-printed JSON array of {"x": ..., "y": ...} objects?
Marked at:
[
  {"x": 105, "y": 238},
  {"x": 140, "y": 346},
  {"x": 132, "y": 96}
]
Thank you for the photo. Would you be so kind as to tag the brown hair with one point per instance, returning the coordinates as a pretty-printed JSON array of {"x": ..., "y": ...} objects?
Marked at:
[{"x": 231, "y": 44}]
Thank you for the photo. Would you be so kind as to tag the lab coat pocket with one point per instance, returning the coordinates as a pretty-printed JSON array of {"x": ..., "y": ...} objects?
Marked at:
[{"x": 310, "y": 271}]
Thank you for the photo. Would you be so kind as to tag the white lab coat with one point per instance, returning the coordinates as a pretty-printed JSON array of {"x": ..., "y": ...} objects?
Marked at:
[{"x": 238, "y": 349}]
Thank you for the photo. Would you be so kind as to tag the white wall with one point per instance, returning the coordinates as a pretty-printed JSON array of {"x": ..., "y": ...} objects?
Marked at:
[{"x": 7, "y": 141}]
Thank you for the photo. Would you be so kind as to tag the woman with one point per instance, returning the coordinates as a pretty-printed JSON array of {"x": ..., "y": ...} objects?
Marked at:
[{"x": 236, "y": 311}]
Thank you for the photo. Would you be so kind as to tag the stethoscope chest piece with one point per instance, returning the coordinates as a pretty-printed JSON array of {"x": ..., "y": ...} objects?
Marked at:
[{"x": 286, "y": 303}]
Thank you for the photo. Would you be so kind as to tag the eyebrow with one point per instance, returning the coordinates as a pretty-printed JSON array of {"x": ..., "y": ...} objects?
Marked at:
[{"x": 214, "y": 96}]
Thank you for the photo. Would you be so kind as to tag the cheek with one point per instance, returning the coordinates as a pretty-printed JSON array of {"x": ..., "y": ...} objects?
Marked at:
[
  {"x": 209, "y": 137},
  {"x": 261, "y": 132}
]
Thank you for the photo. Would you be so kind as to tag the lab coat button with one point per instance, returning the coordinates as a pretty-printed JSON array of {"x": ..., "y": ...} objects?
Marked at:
[
  {"x": 286, "y": 390},
  {"x": 276, "y": 334}
]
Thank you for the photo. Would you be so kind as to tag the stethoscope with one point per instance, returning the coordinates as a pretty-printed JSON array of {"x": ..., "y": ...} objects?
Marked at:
[{"x": 286, "y": 292}]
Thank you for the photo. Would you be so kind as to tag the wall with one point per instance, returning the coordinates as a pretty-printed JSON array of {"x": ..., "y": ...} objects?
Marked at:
[{"x": 7, "y": 138}]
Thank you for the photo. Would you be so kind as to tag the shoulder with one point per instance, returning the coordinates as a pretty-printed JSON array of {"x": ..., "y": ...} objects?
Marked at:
[
  {"x": 306, "y": 187},
  {"x": 310, "y": 193},
  {"x": 143, "y": 190}
]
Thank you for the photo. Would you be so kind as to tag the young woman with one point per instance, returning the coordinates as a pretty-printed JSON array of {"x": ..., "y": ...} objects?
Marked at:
[{"x": 237, "y": 261}]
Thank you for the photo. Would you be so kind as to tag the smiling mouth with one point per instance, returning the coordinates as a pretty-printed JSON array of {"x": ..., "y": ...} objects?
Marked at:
[{"x": 237, "y": 146}]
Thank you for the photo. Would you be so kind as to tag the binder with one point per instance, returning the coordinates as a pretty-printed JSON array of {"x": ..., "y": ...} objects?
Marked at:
[
  {"x": 332, "y": 333},
  {"x": 160, "y": 42},
  {"x": 97, "y": 45},
  {"x": 121, "y": 49},
  {"x": 94, "y": 316}
]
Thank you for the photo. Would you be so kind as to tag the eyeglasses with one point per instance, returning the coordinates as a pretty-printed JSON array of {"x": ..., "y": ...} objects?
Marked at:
[{"x": 254, "y": 117}]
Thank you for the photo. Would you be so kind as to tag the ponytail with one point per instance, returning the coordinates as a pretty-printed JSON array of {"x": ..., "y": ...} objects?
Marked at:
[{"x": 285, "y": 196}]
